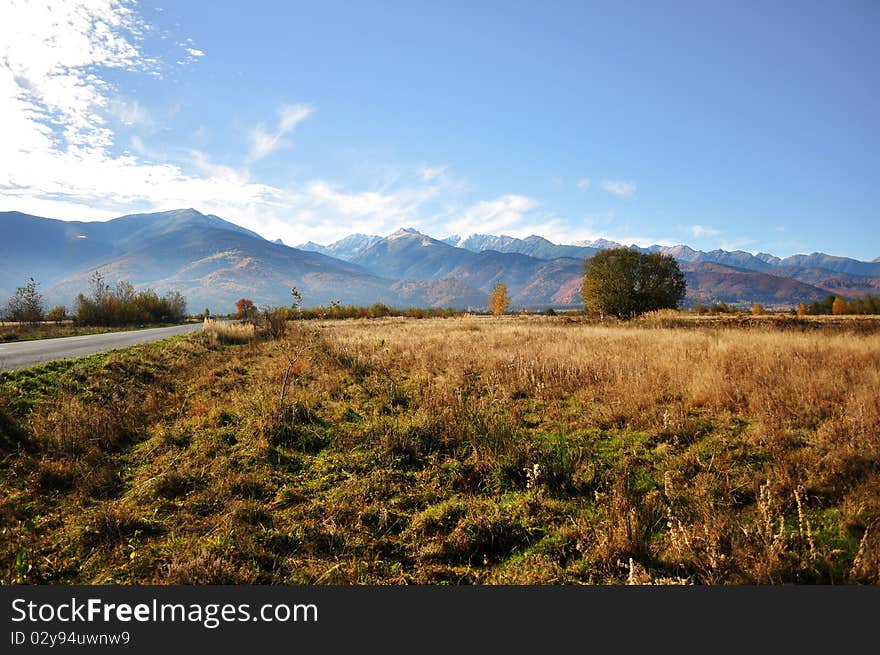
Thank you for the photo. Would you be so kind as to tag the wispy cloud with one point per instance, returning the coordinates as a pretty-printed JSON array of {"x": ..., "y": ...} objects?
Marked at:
[
  {"x": 390, "y": 206},
  {"x": 506, "y": 213},
  {"x": 737, "y": 244},
  {"x": 429, "y": 173},
  {"x": 702, "y": 231},
  {"x": 264, "y": 142},
  {"x": 584, "y": 183},
  {"x": 129, "y": 112},
  {"x": 47, "y": 91},
  {"x": 621, "y": 188}
]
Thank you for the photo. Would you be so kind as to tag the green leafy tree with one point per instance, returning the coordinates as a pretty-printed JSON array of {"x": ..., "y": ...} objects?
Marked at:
[{"x": 623, "y": 282}]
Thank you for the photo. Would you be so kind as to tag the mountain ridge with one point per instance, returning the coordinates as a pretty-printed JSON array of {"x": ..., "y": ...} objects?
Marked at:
[
  {"x": 543, "y": 248},
  {"x": 214, "y": 261}
]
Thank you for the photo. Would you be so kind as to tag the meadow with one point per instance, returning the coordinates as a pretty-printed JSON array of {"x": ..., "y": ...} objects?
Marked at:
[{"x": 462, "y": 450}]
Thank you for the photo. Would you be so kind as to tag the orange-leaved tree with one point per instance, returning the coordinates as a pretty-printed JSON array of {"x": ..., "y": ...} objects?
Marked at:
[
  {"x": 499, "y": 299},
  {"x": 245, "y": 308},
  {"x": 839, "y": 306}
]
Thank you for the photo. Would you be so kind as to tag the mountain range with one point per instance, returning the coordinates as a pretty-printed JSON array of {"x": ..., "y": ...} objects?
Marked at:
[{"x": 214, "y": 262}]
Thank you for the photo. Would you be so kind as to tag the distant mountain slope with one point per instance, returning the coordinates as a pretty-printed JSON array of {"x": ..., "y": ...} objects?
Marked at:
[
  {"x": 214, "y": 262},
  {"x": 211, "y": 261},
  {"x": 412, "y": 255},
  {"x": 55, "y": 247},
  {"x": 837, "y": 283},
  {"x": 408, "y": 253},
  {"x": 447, "y": 292},
  {"x": 213, "y": 267},
  {"x": 46, "y": 248},
  {"x": 736, "y": 259},
  {"x": 533, "y": 246},
  {"x": 833, "y": 263},
  {"x": 345, "y": 249},
  {"x": 711, "y": 282}
]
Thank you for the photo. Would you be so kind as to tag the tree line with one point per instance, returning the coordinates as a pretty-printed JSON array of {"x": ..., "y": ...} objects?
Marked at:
[
  {"x": 104, "y": 305},
  {"x": 838, "y": 306},
  {"x": 625, "y": 283},
  {"x": 245, "y": 309}
]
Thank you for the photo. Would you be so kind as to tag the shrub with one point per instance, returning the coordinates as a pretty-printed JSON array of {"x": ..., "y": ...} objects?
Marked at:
[
  {"x": 57, "y": 314},
  {"x": 123, "y": 306},
  {"x": 228, "y": 333}
]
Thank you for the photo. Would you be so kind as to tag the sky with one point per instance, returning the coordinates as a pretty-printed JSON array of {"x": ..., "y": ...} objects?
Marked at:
[{"x": 743, "y": 125}]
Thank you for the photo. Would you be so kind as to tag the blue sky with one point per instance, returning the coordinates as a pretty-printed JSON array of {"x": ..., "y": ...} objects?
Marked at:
[{"x": 747, "y": 125}]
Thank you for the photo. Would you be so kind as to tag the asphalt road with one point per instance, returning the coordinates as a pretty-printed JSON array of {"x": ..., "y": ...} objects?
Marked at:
[{"x": 27, "y": 353}]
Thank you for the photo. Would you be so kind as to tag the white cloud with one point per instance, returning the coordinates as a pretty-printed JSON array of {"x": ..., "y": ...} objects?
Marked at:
[
  {"x": 195, "y": 52},
  {"x": 264, "y": 143},
  {"x": 49, "y": 93},
  {"x": 429, "y": 173},
  {"x": 128, "y": 112},
  {"x": 390, "y": 207},
  {"x": 506, "y": 213},
  {"x": 137, "y": 144},
  {"x": 737, "y": 244},
  {"x": 701, "y": 231},
  {"x": 584, "y": 183},
  {"x": 621, "y": 188}
]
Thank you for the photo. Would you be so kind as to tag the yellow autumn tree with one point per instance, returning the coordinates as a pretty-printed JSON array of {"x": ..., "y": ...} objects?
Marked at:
[
  {"x": 758, "y": 309},
  {"x": 838, "y": 307},
  {"x": 802, "y": 309},
  {"x": 499, "y": 299}
]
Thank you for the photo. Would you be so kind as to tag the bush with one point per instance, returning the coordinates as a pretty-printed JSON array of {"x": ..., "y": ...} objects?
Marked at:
[
  {"x": 217, "y": 332},
  {"x": 124, "y": 306},
  {"x": 57, "y": 314}
]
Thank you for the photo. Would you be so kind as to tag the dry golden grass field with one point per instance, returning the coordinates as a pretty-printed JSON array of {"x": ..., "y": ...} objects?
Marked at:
[{"x": 523, "y": 450}]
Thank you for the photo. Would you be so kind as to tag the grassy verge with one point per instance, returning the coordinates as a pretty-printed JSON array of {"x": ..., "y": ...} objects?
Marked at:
[{"x": 449, "y": 451}]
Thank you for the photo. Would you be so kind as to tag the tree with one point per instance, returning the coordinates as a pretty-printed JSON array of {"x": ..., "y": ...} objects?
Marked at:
[
  {"x": 499, "y": 299},
  {"x": 98, "y": 286},
  {"x": 839, "y": 307},
  {"x": 245, "y": 308},
  {"x": 802, "y": 309},
  {"x": 758, "y": 309},
  {"x": 623, "y": 282},
  {"x": 26, "y": 305},
  {"x": 57, "y": 314}
]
